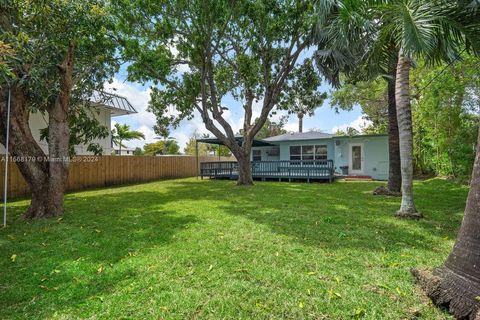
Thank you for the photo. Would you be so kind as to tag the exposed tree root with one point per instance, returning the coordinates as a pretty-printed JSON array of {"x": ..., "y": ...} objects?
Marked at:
[
  {"x": 384, "y": 191},
  {"x": 451, "y": 291},
  {"x": 408, "y": 214}
]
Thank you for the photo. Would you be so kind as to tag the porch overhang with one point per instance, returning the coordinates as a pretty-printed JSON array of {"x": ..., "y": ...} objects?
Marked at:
[{"x": 239, "y": 139}]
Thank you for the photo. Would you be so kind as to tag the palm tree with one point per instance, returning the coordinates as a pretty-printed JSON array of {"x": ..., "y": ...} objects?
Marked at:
[
  {"x": 300, "y": 121},
  {"x": 166, "y": 140},
  {"x": 122, "y": 132},
  {"x": 434, "y": 31},
  {"x": 344, "y": 35},
  {"x": 431, "y": 30}
]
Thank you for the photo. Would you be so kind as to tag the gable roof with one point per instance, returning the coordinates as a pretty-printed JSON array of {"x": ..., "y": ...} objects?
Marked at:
[{"x": 294, "y": 136}]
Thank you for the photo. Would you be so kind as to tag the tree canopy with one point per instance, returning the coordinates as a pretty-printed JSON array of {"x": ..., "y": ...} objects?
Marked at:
[
  {"x": 35, "y": 47},
  {"x": 168, "y": 147},
  {"x": 199, "y": 54}
]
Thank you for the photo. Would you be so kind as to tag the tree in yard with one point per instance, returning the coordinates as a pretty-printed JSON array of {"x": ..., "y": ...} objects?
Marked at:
[
  {"x": 58, "y": 54},
  {"x": 446, "y": 117},
  {"x": 377, "y": 100},
  {"x": 271, "y": 128},
  {"x": 204, "y": 53},
  {"x": 304, "y": 95},
  {"x": 456, "y": 285},
  {"x": 138, "y": 152},
  {"x": 347, "y": 44},
  {"x": 162, "y": 147},
  {"x": 191, "y": 146},
  {"x": 433, "y": 31},
  {"x": 371, "y": 96},
  {"x": 122, "y": 132}
]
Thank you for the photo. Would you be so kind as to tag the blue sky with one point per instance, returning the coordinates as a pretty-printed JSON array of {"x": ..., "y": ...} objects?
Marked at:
[{"x": 325, "y": 118}]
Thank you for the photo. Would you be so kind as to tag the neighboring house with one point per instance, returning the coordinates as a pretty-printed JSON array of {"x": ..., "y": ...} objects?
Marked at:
[
  {"x": 106, "y": 106},
  {"x": 365, "y": 155},
  {"x": 124, "y": 152}
]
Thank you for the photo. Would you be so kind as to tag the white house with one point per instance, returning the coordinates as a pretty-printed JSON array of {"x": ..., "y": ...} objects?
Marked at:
[{"x": 106, "y": 106}]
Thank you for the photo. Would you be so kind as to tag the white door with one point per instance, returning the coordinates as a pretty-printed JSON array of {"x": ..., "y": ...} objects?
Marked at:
[{"x": 356, "y": 158}]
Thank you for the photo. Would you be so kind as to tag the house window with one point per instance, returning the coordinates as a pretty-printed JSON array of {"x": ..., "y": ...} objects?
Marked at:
[
  {"x": 295, "y": 153},
  {"x": 257, "y": 155},
  {"x": 308, "y": 152},
  {"x": 321, "y": 152}
]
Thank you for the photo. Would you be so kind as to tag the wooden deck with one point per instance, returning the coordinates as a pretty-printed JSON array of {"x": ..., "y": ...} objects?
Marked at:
[{"x": 280, "y": 170}]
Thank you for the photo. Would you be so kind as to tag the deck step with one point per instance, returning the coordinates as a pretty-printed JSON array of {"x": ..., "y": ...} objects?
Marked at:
[{"x": 358, "y": 178}]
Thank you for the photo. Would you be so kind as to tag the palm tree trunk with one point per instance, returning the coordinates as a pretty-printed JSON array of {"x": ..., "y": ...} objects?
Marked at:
[
  {"x": 395, "y": 173},
  {"x": 404, "y": 117},
  {"x": 456, "y": 285},
  {"x": 300, "y": 122}
]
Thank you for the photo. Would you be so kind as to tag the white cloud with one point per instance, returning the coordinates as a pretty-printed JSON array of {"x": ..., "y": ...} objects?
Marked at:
[{"x": 359, "y": 124}]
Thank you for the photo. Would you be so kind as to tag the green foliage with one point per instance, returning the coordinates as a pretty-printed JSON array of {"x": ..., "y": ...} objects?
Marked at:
[
  {"x": 371, "y": 96},
  {"x": 271, "y": 128},
  {"x": 34, "y": 38},
  {"x": 161, "y": 147},
  {"x": 190, "y": 147},
  {"x": 84, "y": 127},
  {"x": 446, "y": 118},
  {"x": 122, "y": 132},
  {"x": 181, "y": 249},
  {"x": 201, "y": 52},
  {"x": 358, "y": 38},
  {"x": 205, "y": 149},
  {"x": 138, "y": 152},
  {"x": 350, "y": 131},
  {"x": 302, "y": 91}
]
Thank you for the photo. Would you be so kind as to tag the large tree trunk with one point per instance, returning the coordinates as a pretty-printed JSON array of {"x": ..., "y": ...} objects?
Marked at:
[
  {"x": 59, "y": 137},
  {"x": 404, "y": 117},
  {"x": 31, "y": 160},
  {"x": 394, "y": 174},
  {"x": 244, "y": 168},
  {"x": 456, "y": 285},
  {"x": 46, "y": 176}
]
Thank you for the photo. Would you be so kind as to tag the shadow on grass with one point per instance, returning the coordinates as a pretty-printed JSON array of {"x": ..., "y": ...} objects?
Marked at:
[
  {"x": 332, "y": 216},
  {"x": 102, "y": 229},
  {"x": 61, "y": 263}
]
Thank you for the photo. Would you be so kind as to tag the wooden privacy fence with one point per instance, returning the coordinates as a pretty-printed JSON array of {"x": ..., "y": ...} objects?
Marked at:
[{"x": 103, "y": 171}]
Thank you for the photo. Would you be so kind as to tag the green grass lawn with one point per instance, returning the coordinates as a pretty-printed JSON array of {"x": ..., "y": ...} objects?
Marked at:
[{"x": 192, "y": 249}]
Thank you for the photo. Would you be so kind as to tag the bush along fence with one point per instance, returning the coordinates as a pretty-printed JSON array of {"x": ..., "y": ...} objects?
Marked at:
[{"x": 103, "y": 171}]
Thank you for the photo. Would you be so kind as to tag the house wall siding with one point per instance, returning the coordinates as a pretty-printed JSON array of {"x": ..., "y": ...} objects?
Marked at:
[
  {"x": 338, "y": 149},
  {"x": 375, "y": 155}
]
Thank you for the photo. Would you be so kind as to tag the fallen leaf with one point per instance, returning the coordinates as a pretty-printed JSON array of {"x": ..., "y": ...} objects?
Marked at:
[
  {"x": 300, "y": 305},
  {"x": 13, "y": 257},
  {"x": 333, "y": 295},
  {"x": 359, "y": 313}
]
